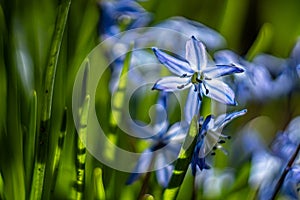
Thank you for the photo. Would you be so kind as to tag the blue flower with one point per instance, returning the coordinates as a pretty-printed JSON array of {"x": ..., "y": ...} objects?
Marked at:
[
  {"x": 162, "y": 136},
  {"x": 179, "y": 28},
  {"x": 268, "y": 166},
  {"x": 291, "y": 184},
  {"x": 197, "y": 71},
  {"x": 266, "y": 77},
  {"x": 210, "y": 138},
  {"x": 286, "y": 142},
  {"x": 118, "y": 16}
]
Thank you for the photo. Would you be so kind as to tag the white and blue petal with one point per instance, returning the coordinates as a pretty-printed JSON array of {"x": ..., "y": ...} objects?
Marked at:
[
  {"x": 196, "y": 54},
  {"x": 175, "y": 65},
  {"x": 172, "y": 83},
  {"x": 219, "y": 91},
  {"x": 141, "y": 167},
  {"x": 192, "y": 105},
  {"x": 221, "y": 70},
  {"x": 298, "y": 70},
  {"x": 164, "y": 175},
  {"x": 164, "y": 172},
  {"x": 176, "y": 132},
  {"x": 223, "y": 120},
  {"x": 161, "y": 121}
]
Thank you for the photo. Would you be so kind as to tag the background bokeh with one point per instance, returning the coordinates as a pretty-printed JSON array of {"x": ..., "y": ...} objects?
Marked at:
[{"x": 26, "y": 34}]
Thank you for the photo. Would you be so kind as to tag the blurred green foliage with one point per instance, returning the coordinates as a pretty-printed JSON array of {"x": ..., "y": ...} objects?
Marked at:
[{"x": 27, "y": 28}]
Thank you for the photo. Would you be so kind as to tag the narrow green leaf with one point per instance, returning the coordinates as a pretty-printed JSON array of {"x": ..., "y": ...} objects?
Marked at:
[
  {"x": 117, "y": 104},
  {"x": 233, "y": 20},
  {"x": 119, "y": 95},
  {"x": 1, "y": 187},
  {"x": 29, "y": 140},
  {"x": 182, "y": 162},
  {"x": 99, "y": 191},
  {"x": 43, "y": 136},
  {"x": 58, "y": 150},
  {"x": 116, "y": 117},
  {"x": 262, "y": 42},
  {"x": 81, "y": 149}
]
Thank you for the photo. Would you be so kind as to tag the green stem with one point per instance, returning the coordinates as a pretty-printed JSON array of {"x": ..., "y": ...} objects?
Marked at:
[
  {"x": 182, "y": 163},
  {"x": 145, "y": 185},
  {"x": 44, "y": 131}
]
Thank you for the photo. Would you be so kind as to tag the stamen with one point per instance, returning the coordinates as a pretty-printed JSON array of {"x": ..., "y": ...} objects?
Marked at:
[
  {"x": 221, "y": 141},
  {"x": 200, "y": 96},
  {"x": 183, "y": 76},
  {"x": 180, "y": 86},
  {"x": 198, "y": 80},
  {"x": 195, "y": 90},
  {"x": 206, "y": 90},
  {"x": 183, "y": 85}
]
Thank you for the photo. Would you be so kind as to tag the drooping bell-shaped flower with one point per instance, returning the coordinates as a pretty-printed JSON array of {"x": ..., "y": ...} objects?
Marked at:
[{"x": 210, "y": 138}]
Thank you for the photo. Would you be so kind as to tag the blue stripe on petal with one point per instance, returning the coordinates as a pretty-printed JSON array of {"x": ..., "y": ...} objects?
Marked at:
[
  {"x": 192, "y": 105},
  {"x": 205, "y": 126},
  {"x": 298, "y": 70},
  {"x": 219, "y": 91},
  {"x": 141, "y": 167},
  {"x": 175, "y": 65},
  {"x": 164, "y": 172},
  {"x": 176, "y": 132},
  {"x": 223, "y": 120},
  {"x": 222, "y": 70},
  {"x": 161, "y": 121},
  {"x": 196, "y": 54},
  {"x": 172, "y": 83}
]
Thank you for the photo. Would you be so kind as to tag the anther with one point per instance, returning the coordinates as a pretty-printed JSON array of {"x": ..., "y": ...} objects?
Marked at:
[
  {"x": 180, "y": 86},
  {"x": 221, "y": 141},
  {"x": 183, "y": 76}
]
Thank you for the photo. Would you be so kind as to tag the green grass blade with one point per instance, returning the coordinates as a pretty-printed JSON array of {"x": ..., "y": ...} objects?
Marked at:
[
  {"x": 81, "y": 150},
  {"x": 43, "y": 136},
  {"x": 182, "y": 162},
  {"x": 117, "y": 105},
  {"x": 114, "y": 119},
  {"x": 99, "y": 191},
  {"x": 82, "y": 134},
  {"x": 58, "y": 150},
  {"x": 1, "y": 187},
  {"x": 29, "y": 141},
  {"x": 262, "y": 42}
]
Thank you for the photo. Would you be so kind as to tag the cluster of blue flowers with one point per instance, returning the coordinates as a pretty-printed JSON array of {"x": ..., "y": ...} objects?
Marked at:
[{"x": 225, "y": 77}]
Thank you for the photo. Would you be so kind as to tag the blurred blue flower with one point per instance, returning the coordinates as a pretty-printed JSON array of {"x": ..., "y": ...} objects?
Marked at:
[
  {"x": 254, "y": 84},
  {"x": 196, "y": 71},
  {"x": 266, "y": 77},
  {"x": 268, "y": 166},
  {"x": 210, "y": 138},
  {"x": 118, "y": 16},
  {"x": 286, "y": 142},
  {"x": 162, "y": 136},
  {"x": 291, "y": 186},
  {"x": 179, "y": 29}
]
